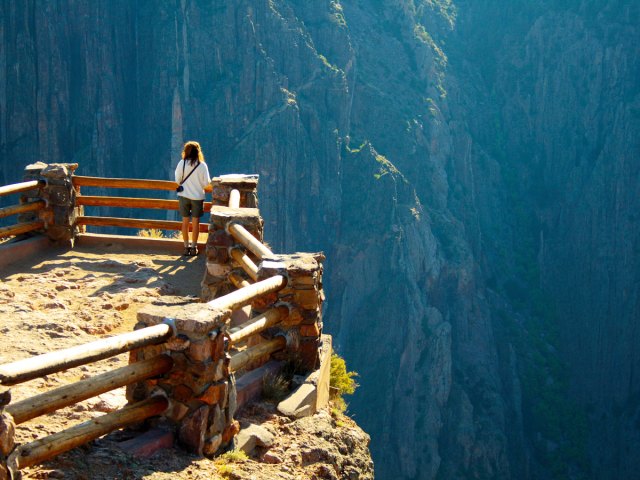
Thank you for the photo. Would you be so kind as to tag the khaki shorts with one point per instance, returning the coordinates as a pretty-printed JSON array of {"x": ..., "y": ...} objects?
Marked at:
[{"x": 190, "y": 208}]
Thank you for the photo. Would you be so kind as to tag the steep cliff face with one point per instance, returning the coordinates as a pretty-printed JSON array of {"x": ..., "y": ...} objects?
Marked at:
[
  {"x": 555, "y": 107},
  {"x": 470, "y": 170}
]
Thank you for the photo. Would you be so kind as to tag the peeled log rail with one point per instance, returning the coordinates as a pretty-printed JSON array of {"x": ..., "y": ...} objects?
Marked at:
[
  {"x": 19, "y": 228},
  {"x": 29, "y": 368},
  {"x": 245, "y": 262},
  {"x": 20, "y": 187},
  {"x": 240, "y": 359},
  {"x": 80, "y": 181},
  {"x": 258, "y": 324},
  {"x": 131, "y": 202},
  {"x": 76, "y": 392},
  {"x": 237, "y": 280},
  {"x": 48, "y": 447},
  {"x": 134, "y": 223},
  {"x": 234, "y": 199},
  {"x": 249, "y": 241},
  {"x": 22, "y": 208},
  {"x": 246, "y": 295}
]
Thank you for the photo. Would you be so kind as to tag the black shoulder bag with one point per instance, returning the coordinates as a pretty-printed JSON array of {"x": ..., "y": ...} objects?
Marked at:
[{"x": 184, "y": 179}]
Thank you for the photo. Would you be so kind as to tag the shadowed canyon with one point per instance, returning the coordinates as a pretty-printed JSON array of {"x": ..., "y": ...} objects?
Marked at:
[{"x": 470, "y": 169}]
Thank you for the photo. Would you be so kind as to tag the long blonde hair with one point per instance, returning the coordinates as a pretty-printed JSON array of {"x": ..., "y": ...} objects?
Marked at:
[{"x": 192, "y": 152}]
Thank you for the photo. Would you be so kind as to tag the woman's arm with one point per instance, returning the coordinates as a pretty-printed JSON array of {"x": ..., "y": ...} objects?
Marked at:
[
  {"x": 205, "y": 178},
  {"x": 178, "y": 172}
]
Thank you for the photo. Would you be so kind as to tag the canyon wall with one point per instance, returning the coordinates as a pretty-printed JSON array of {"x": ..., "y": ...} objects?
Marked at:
[{"x": 471, "y": 172}]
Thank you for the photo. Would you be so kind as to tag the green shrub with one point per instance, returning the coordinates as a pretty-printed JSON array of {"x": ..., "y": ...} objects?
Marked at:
[
  {"x": 232, "y": 456},
  {"x": 341, "y": 381}
]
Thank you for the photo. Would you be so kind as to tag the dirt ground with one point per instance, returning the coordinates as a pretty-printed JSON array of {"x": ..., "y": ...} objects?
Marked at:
[{"x": 70, "y": 297}]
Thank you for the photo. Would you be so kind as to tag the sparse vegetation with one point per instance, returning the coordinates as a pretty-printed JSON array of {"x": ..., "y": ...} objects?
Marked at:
[
  {"x": 357, "y": 149},
  {"x": 386, "y": 167},
  {"x": 337, "y": 15},
  {"x": 152, "y": 233},
  {"x": 327, "y": 64},
  {"x": 275, "y": 387},
  {"x": 341, "y": 382},
  {"x": 337, "y": 413},
  {"x": 225, "y": 471},
  {"x": 170, "y": 234},
  {"x": 232, "y": 456}
]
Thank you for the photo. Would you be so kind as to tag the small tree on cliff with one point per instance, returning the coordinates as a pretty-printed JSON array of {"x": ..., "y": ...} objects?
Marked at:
[{"x": 341, "y": 381}]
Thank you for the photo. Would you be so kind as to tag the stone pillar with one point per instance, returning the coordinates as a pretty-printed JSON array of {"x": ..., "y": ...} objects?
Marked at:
[
  {"x": 219, "y": 242},
  {"x": 247, "y": 185},
  {"x": 303, "y": 295},
  {"x": 60, "y": 213},
  {"x": 7, "y": 434},
  {"x": 201, "y": 391}
]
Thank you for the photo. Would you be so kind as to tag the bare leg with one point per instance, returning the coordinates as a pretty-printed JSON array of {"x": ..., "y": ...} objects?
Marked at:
[
  {"x": 195, "y": 225},
  {"x": 185, "y": 230}
]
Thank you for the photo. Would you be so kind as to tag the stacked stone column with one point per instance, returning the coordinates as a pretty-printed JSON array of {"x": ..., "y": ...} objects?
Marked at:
[
  {"x": 247, "y": 185},
  {"x": 7, "y": 434},
  {"x": 303, "y": 296},
  {"x": 219, "y": 262},
  {"x": 60, "y": 213},
  {"x": 200, "y": 388}
]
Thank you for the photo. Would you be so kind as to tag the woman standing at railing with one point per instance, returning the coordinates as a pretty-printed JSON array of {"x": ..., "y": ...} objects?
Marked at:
[{"x": 192, "y": 175}]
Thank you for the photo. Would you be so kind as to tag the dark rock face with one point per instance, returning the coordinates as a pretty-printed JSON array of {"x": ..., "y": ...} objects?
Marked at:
[{"x": 471, "y": 171}]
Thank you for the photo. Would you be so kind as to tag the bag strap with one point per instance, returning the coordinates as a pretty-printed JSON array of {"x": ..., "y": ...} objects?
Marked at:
[{"x": 194, "y": 169}]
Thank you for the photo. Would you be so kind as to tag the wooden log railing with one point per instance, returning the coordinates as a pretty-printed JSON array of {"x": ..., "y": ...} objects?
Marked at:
[
  {"x": 22, "y": 208},
  {"x": 240, "y": 359},
  {"x": 33, "y": 206},
  {"x": 245, "y": 262},
  {"x": 76, "y": 392},
  {"x": 249, "y": 241},
  {"x": 19, "y": 228},
  {"x": 134, "y": 223},
  {"x": 129, "y": 202},
  {"x": 20, "y": 187},
  {"x": 237, "y": 280},
  {"x": 246, "y": 295},
  {"x": 257, "y": 324},
  {"x": 48, "y": 447},
  {"x": 234, "y": 198},
  {"x": 80, "y": 181},
  {"x": 45, "y": 448},
  {"x": 30, "y": 368}
]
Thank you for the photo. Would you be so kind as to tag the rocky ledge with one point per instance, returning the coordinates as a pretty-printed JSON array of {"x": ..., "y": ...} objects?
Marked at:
[
  {"x": 324, "y": 446},
  {"x": 327, "y": 445}
]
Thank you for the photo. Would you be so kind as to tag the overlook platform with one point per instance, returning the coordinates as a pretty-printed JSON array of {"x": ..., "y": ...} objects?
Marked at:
[
  {"x": 58, "y": 297},
  {"x": 193, "y": 339}
]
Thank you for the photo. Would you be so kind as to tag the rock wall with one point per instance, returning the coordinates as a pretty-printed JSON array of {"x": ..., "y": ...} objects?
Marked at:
[{"x": 469, "y": 170}]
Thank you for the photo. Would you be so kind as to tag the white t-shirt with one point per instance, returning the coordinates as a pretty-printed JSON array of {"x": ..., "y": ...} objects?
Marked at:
[{"x": 194, "y": 186}]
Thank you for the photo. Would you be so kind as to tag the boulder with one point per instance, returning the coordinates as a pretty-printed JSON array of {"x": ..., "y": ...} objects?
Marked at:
[{"x": 251, "y": 437}]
